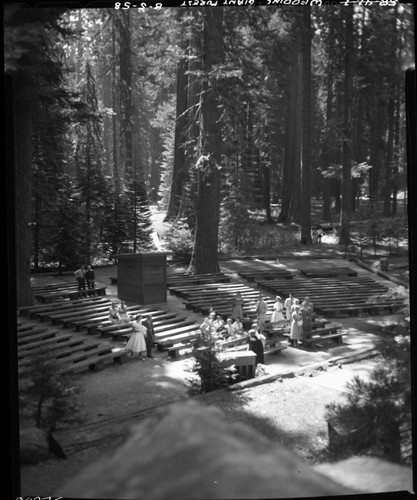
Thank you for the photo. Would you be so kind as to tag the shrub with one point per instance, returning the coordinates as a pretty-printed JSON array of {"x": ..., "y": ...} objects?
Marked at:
[
  {"x": 180, "y": 241},
  {"x": 46, "y": 396}
]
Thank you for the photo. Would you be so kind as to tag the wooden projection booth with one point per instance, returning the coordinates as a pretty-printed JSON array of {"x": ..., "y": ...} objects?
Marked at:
[{"x": 142, "y": 277}]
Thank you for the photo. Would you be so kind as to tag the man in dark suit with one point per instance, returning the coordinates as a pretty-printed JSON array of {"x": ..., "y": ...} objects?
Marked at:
[{"x": 150, "y": 335}]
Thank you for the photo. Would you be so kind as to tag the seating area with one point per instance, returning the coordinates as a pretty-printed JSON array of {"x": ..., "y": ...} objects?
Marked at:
[
  {"x": 254, "y": 270},
  {"x": 182, "y": 278},
  {"x": 59, "y": 291},
  {"x": 333, "y": 297},
  {"x": 72, "y": 354},
  {"x": 200, "y": 298},
  {"x": 89, "y": 316}
]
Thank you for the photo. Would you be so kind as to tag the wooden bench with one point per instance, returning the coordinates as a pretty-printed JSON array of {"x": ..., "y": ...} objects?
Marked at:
[
  {"x": 46, "y": 334},
  {"x": 31, "y": 347},
  {"x": 33, "y": 311},
  {"x": 265, "y": 274},
  {"x": 351, "y": 309},
  {"x": 336, "y": 337},
  {"x": 97, "y": 363},
  {"x": 327, "y": 272},
  {"x": 48, "y": 297},
  {"x": 175, "y": 349},
  {"x": 62, "y": 352}
]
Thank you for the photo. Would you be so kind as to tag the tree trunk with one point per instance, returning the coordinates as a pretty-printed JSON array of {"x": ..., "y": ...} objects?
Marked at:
[
  {"x": 178, "y": 173},
  {"x": 347, "y": 135},
  {"x": 205, "y": 259},
  {"x": 291, "y": 173},
  {"x": 23, "y": 188},
  {"x": 307, "y": 129}
]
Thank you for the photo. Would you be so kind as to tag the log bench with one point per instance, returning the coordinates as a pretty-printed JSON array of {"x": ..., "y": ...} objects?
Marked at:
[
  {"x": 351, "y": 309},
  {"x": 65, "y": 352},
  {"x": 336, "y": 337},
  {"x": 40, "y": 334},
  {"x": 33, "y": 311},
  {"x": 41, "y": 345},
  {"x": 327, "y": 272},
  {"x": 48, "y": 297},
  {"x": 97, "y": 363}
]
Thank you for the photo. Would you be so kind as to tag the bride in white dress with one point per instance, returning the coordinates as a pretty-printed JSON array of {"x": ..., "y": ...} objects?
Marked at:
[{"x": 137, "y": 342}]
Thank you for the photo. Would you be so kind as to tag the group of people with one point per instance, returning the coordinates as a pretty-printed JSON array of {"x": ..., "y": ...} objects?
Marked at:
[
  {"x": 214, "y": 328},
  {"x": 85, "y": 277},
  {"x": 300, "y": 316},
  {"x": 143, "y": 336}
]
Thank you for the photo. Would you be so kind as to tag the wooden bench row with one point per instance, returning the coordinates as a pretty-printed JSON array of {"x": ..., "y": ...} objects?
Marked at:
[
  {"x": 68, "y": 293},
  {"x": 71, "y": 354},
  {"x": 327, "y": 272}
]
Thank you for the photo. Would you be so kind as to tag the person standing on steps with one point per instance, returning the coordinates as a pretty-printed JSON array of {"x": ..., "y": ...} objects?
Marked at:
[
  {"x": 137, "y": 341},
  {"x": 90, "y": 278},
  {"x": 114, "y": 315},
  {"x": 237, "y": 307},
  {"x": 150, "y": 335},
  {"x": 261, "y": 309},
  {"x": 80, "y": 277}
]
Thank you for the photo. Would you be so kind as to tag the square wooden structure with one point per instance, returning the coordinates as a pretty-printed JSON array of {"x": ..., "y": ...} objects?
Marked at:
[{"x": 142, "y": 277}]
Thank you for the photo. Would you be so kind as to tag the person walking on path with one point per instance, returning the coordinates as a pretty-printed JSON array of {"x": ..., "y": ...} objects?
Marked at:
[
  {"x": 90, "y": 278},
  {"x": 261, "y": 309},
  {"x": 150, "y": 335},
  {"x": 137, "y": 342},
  {"x": 80, "y": 277},
  {"x": 288, "y": 303},
  {"x": 237, "y": 307},
  {"x": 296, "y": 326}
]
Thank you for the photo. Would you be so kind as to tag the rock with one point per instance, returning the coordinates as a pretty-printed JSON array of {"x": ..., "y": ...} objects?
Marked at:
[
  {"x": 34, "y": 446},
  {"x": 191, "y": 450}
]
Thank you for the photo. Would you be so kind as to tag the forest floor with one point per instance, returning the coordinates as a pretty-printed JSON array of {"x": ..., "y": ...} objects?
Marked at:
[{"x": 289, "y": 409}]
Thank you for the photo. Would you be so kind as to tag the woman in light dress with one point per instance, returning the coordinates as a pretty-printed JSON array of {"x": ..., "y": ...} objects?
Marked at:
[
  {"x": 278, "y": 307},
  {"x": 114, "y": 316},
  {"x": 123, "y": 312},
  {"x": 296, "y": 328},
  {"x": 237, "y": 307},
  {"x": 137, "y": 341}
]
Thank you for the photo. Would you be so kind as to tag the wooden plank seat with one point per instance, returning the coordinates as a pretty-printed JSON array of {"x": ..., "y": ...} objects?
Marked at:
[
  {"x": 97, "y": 362},
  {"x": 327, "y": 272},
  {"x": 199, "y": 304},
  {"x": 64, "y": 352},
  {"x": 47, "y": 334},
  {"x": 33, "y": 310},
  {"x": 50, "y": 314},
  {"x": 336, "y": 337},
  {"x": 185, "y": 291},
  {"x": 98, "y": 315},
  {"x": 351, "y": 309},
  {"x": 175, "y": 350},
  {"x": 265, "y": 274},
  {"x": 173, "y": 332},
  {"x": 160, "y": 332},
  {"x": 197, "y": 279},
  {"x": 33, "y": 347},
  {"x": 50, "y": 287},
  {"x": 31, "y": 332},
  {"x": 164, "y": 344},
  {"x": 87, "y": 323},
  {"x": 95, "y": 327},
  {"x": 111, "y": 329},
  {"x": 48, "y": 297},
  {"x": 88, "y": 352},
  {"x": 80, "y": 312}
]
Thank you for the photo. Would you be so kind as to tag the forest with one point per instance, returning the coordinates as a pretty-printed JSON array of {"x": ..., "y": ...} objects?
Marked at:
[{"x": 224, "y": 119}]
